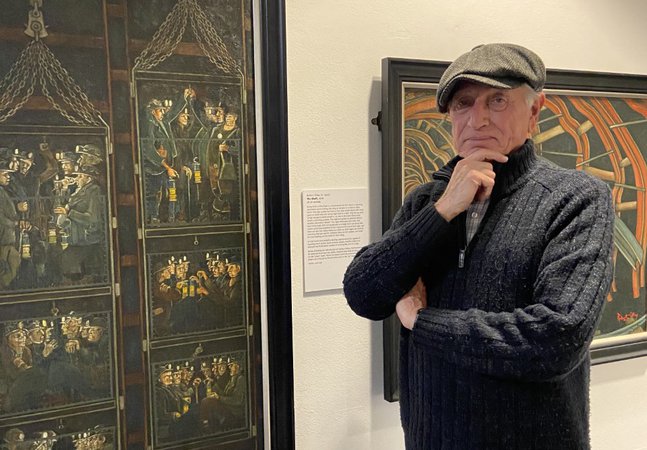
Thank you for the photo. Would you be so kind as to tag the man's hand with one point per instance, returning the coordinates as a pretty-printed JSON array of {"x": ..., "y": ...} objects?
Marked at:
[
  {"x": 170, "y": 171},
  {"x": 408, "y": 306},
  {"x": 72, "y": 346},
  {"x": 473, "y": 179},
  {"x": 50, "y": 346},
  {"x": 22, "y": 207}
]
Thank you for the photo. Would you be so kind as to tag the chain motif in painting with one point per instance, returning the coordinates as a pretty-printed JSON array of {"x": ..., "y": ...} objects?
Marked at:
[
  {"x": 169, "y": 34},
  {"x": 37, "y": 66}
]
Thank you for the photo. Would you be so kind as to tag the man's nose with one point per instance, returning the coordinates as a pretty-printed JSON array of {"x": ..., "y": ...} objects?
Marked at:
[{"x": 479, "y": 114}]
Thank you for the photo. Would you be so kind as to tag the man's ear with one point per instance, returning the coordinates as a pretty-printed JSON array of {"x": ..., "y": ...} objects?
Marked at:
[{"x": 535, "y": 109}]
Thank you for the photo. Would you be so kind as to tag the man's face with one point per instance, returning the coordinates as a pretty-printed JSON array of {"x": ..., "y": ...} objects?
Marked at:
[
  {"x": 88, "y": 160},
  {"x": 158, "y": 113},
  {"x": 95, "y": 334},
  {"x": 183, "y": 119},
  {"x": 187, "y": 375},
  {"x": 220, "y": 114},
  {"x": 234, "y": 270},
  {"x": 210, "y": 112},
  {"x": 166, "y": 378},
  {"x": 164, "y": 275},
  {"x": 72, "y": 327},
  {"x": 25, "y": 165},
  {"x": 230, "y": 119},
  {"x": 484, "y": 117},
  {"x": 222, "y": 368},
  {"x": 37, "y": 335},
  {"x": 4, "y": 178},
  {"x": 17, "y": 339},
  {"x": 82, "y": 179},
  {"x": 67, "y": 167}
]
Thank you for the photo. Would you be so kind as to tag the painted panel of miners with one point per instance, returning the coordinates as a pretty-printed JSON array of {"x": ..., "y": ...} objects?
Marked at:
[
  {"x": 55, "y": 361},
  {"x": 52, "y": 216},
  {"x": 190, "y": 152},
  {"x": 196, "y": 291},
  {"x": 95, "y": 438},
  {"x": 203, "y": 396}
]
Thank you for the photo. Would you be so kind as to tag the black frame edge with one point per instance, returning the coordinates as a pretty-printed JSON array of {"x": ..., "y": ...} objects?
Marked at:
[
  {"x": 277, "y": 223},
  {"x": 394, "y": 72},
  {"x": 391, "y": 169}
]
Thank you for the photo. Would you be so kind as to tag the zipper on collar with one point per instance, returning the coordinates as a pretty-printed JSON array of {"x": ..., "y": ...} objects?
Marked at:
[{"x": 462, "y": 239}]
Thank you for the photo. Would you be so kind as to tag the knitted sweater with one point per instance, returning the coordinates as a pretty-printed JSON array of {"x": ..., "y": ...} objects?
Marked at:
[{"x": 499, "y": 358}]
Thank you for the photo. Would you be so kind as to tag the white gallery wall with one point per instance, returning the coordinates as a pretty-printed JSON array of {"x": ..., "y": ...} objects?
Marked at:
[{"x": 334, "y": 52}]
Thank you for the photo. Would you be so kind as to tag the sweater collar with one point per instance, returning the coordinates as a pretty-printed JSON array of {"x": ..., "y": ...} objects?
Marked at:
[{"x": 520, "y": 161}]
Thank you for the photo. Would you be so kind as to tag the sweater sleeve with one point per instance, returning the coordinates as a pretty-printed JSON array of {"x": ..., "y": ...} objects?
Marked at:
[
  {"x": 549, "y": 337},
  {"x": 382, "y": 272}
]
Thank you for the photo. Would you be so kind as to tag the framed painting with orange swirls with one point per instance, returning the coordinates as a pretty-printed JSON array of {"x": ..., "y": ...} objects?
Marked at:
[{"x": 594, "y": 122}]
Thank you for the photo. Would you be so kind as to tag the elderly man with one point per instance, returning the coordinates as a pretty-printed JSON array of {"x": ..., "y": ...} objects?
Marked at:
[{"x": 497, "y": 269}]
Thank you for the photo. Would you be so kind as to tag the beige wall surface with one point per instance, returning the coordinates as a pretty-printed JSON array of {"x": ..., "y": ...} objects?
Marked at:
[{"x": 334, "y": 49}]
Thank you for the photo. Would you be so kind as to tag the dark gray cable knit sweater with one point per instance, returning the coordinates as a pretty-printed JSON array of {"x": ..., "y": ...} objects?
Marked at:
[{"x": 499, "y": 358}]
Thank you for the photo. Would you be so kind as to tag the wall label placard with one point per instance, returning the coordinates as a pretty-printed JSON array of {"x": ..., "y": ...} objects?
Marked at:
[{"x": 335, "y": 227}]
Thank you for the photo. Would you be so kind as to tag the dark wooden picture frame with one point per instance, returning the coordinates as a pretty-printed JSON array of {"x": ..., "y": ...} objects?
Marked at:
[
  {"x": 600, "y": 117},
  {"x": 277, "y": 224},
  {"x": 97, "y": 58}
]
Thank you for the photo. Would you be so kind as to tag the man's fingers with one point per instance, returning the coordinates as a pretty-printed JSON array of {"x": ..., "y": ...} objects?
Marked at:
[
  {"x": 474, "y": 165},
  {"x": 485, "y": 185},
  {"x": 473, "y": 179},
  {"x": 487, "y": 155},
  {"x": 489, "y": 173},
  {"x": 478, "y": 172},
  {"x": 485, "y": 179}
]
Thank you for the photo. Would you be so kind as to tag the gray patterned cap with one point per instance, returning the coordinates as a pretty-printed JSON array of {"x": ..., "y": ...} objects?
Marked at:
[{"x": 504, "y": 66}]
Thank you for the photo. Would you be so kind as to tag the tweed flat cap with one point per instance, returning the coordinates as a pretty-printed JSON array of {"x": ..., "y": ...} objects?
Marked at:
[{"x": 504, "y": 66}]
